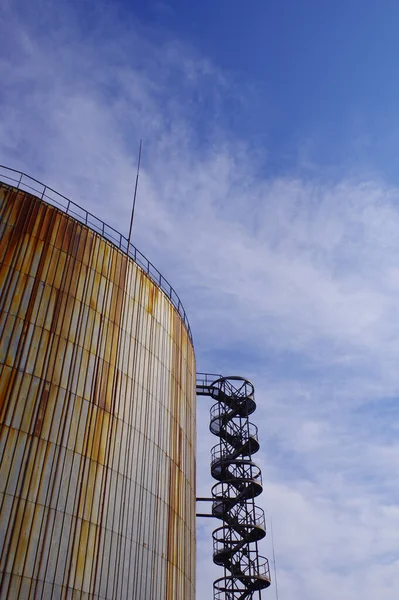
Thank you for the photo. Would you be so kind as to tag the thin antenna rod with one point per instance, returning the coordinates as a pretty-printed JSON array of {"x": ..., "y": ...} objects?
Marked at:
[
  {"x": 134, "y": 198},
  {"x": 274, "y": 558}
]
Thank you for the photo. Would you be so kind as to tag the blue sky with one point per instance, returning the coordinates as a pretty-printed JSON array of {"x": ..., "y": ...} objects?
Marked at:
[
  {"x": 318, "y": 70},
  {"x": 269, "y": 198}
]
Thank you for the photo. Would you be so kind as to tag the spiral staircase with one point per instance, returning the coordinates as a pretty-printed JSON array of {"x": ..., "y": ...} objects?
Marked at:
[{"x": 239, "y": 482}]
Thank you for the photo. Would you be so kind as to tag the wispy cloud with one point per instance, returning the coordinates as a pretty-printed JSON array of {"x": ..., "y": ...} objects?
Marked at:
[{"x": 292, "y": 281}]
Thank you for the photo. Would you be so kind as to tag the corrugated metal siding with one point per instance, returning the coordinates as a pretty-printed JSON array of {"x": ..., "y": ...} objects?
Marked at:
[{"x": 97, "y": 411}]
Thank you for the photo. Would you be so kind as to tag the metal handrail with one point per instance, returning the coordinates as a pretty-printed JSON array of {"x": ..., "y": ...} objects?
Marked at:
[
  {"x": 28, "y": 184},
  {"x": 240, "y": 516},
  {"x": 206, "y": 379}
]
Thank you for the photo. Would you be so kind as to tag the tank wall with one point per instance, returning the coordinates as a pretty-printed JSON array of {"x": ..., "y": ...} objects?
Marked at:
[{"x": 97, "y": 376}]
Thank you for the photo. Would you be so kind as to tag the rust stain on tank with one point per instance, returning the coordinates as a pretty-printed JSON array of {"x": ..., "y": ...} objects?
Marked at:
[
  {"x": 152, "y": 298},
  {"x": 41, "y": 411}
]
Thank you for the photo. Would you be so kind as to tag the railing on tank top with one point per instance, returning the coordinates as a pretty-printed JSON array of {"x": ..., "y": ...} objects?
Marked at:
[{"x": 24, "y": 182}]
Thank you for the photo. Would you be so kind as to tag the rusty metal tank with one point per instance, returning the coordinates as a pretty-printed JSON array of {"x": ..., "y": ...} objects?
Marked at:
[{"x": 97, "y": 410}]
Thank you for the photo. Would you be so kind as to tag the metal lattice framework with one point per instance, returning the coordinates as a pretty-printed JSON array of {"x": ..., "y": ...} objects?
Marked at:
[{"x": 235, "y": 544}]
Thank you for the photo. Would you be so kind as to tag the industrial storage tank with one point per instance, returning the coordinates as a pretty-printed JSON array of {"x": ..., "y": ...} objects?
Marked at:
[{"x": 97, "y": 393}]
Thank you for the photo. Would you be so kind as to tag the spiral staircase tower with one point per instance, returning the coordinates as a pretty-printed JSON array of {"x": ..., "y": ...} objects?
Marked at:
[{"x": 239, "y": 482}]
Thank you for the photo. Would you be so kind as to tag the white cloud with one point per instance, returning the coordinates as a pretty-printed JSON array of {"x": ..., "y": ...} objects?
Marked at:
[{"x": 292, "y": 282}]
